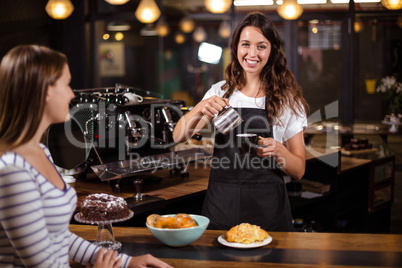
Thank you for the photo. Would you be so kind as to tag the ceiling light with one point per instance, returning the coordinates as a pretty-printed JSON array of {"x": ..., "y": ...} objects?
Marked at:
[
  {"x": 217, "y": 6},
  {"x": 311, "y": 2},
  {"x": 148, "y": 30},
  {"x": 117, "y": 27},
  {"x": 224, "y": 29},
  {"x": 147, "y": 11},
  {"x": 308, "y": 2},
  {"x": 392, "y": 4},
  {"x": 117, "y": 2},
  {"x": 162, "y": 28},
  {"x": 199, "y": 34},
  {"x": 356, "y": 1},
  {"x": 239, "y": 3},
  {"x": 290, "y": 10},
  {"x": 59, "y": 9},
  {"x": 358, "y": 26},
  {"x": 119, "y": 36},
  {"x": 186, "y": 25},
  {"x": 179, "y": 38},
  {"x": 314, "y": 29}
]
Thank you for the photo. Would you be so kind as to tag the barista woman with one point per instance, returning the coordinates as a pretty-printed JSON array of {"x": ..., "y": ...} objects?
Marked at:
[
  {"x": 36, "y": 205},
  {"x": 260, "y": 87}
]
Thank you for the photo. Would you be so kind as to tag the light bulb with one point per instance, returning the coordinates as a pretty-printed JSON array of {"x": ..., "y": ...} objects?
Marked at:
[
  {"x": 224, "y": 29},
  {"x": 119, "y": 36},
  {"x": 59, "y": 9},
  {"x": 358, "y": 26},
  {"x": 217, "y": 6},
  {"x": 117, "y": 2},
  {"x": 179, "y": 38},
  {"x": 162, "y": 28},
  {"x": 199, "y": 34},
  {"x": 392, "y": 4},
  {"x": 147, "y": 11},
  {"x": 290, "y": 10},
  {"x": 186, "y": 25}
]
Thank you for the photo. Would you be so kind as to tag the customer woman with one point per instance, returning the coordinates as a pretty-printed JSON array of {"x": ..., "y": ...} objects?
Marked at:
[
  {"x": 260, "y": 87},
  {"x": 36, "y": 205}
]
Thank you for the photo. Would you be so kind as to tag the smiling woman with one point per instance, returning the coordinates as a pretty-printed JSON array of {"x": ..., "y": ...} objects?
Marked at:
[
  {"x": 264, "y": 92},
  {"x": 36, "y": 204}
]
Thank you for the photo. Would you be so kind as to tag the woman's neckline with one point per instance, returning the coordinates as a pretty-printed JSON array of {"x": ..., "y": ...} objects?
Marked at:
[{"x": 249, "y": 97}]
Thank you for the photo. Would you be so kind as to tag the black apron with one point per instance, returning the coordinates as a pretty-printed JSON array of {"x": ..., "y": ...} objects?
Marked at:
[{"x": 246, "y": 189}]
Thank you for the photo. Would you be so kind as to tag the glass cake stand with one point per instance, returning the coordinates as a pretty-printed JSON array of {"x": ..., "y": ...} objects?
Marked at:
[{"x": 105, "y": 237}]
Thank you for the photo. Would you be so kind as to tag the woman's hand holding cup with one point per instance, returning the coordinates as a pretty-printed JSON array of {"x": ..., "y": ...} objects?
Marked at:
[{"x": 269, "y": 147}]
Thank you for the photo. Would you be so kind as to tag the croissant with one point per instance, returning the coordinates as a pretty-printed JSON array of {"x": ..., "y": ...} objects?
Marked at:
[
  {"x": 246, "y": 233},
  {"x": 180, "y": 220}
]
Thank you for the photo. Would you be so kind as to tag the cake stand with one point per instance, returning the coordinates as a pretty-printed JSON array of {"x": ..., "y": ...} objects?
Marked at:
[
  {"x": 105, "y": 237},
  {"x": 394, "y": 126}
]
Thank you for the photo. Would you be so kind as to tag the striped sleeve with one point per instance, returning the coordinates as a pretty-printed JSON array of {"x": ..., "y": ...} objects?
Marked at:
[
  {"x": 82, "y": 251},
  {"x": 22, "y": 218}
]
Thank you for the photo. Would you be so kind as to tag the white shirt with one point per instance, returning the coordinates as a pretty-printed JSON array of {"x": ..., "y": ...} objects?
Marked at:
[{"x": 291, "y": 123}]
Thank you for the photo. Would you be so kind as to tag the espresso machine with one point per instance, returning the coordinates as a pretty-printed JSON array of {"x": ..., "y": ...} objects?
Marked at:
[{"x": 120, "y": 132}]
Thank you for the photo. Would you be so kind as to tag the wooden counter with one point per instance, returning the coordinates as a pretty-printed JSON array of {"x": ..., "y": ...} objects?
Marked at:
[
  {"x": 348, "y": 177},
  {"x": 286, "y": 249},
  {"x": 161, "y": 184},
  {"x": 166, "y": 186}
]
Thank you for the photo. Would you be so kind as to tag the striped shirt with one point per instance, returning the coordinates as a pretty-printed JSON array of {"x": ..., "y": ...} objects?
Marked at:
[{"x": 35, "y": 217}]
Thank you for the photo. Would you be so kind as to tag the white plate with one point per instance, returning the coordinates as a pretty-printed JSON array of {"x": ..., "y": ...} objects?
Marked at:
[{"x": 222, "y": 240}]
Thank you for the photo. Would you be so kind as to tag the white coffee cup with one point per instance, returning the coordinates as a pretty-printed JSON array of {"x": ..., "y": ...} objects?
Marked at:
[{"x": 133, "y": 98}]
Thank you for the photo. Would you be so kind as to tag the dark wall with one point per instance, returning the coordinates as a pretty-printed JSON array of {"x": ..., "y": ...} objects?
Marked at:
[
  {"x": 26, "y": 22},
  {"x": 379, "y": 53}
]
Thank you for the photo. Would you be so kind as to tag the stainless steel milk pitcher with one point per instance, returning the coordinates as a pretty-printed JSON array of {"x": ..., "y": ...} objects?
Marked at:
[{"x": 227, "y": 120}]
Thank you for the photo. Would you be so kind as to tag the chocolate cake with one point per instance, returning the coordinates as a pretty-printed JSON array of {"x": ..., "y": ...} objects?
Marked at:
[{"x": 103, "y": 207}]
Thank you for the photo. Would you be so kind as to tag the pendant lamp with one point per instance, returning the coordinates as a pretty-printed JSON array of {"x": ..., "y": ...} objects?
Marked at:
[
  {"x": 179, "y": 38},
  {"x": 358, "y": 26},
  {"x": 117, "y": 2},
  {"x": 186, "y": 25},
  {"x": 290, "y": 10},
  {"x": 199, "y": 34},
  {"x": 224, "y": 29},
  {"x": 59, "y": 9},
  {"x": 147, "y": 11},
  {"x": 162, "y": 28},
  {"x": 217, "y": 6},
  {"x": 392, "y": 4}
]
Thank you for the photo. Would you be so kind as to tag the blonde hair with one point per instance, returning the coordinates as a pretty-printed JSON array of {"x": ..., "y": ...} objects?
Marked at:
[{"x": 26, "y": 72}]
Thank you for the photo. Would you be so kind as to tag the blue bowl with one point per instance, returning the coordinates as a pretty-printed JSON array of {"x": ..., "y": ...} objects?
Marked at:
[{"x": 183, "y": 236}]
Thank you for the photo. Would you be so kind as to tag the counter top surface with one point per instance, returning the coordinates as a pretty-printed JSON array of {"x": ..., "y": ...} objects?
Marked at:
[
  {"x": 170, "y": 187},
  {"x": 364, "y": 129},
  {"x": 285, "y": 250},
  {"x": 164, "y": 185}
]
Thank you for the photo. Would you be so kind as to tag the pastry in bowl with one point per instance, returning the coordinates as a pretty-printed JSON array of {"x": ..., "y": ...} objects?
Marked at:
[
  {"x": 181, "y": 220},
  {"x": 171, "y": 234},
  {"x": 246, "y": 233}
]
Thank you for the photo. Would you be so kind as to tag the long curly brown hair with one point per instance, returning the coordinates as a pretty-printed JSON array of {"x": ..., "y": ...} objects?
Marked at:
[{"x": 278, "y": 82}]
